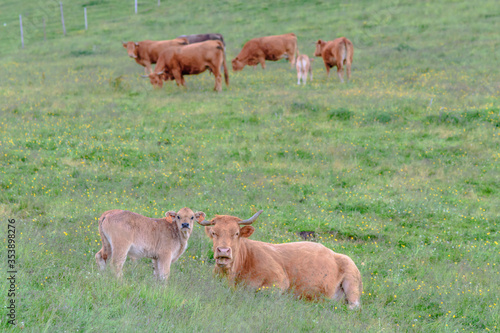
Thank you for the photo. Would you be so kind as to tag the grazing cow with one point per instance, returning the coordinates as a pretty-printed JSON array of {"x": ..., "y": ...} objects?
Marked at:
[
  {"x": 164, "y": 240},
  {"x": 188, "y": 60},
  {"x": 146, "y": 52},
  {"x": 337, "y": 52},
  {"x": 309, "y": 270},
  {"x": 192, "y": 39},
  {"x": 273, "y": 48},
  {"x": 303, "y": 67}
]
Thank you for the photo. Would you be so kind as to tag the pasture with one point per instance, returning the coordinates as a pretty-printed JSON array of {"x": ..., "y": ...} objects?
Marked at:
[{"x": 398, "y": 169}]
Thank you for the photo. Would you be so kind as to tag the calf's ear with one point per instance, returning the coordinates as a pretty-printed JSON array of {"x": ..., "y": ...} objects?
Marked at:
[
  {"x": 208, "y": 231},
  {"x": 170, "y": 215},
  {"x": 247, "y": 231},
  {"x": 200, "y": 216},
  {"x": 124, "y": 44}
]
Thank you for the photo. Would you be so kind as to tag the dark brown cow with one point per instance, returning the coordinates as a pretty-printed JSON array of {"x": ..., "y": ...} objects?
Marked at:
[
  {"x": 337, "y": 52},
  {"x": 174, "y": 63},
  {"x": 309, "y": 269},
  {"x": 192, "y": 39},
  {"x": 147, "y": 52},
  {"x": 273, "y": 48}
]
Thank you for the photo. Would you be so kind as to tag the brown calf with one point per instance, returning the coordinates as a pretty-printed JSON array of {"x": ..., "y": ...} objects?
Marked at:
[
  {"x": 309, "y": 270},
  {"x": 337, "y": 52},
  {"x": 164, "y": 240}
]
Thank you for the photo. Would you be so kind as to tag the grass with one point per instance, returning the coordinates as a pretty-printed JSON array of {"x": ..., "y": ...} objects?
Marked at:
[{"x": 397, "y": 169}]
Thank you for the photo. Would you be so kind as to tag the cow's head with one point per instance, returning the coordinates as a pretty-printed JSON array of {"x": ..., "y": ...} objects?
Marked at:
[
  {"x": 237, "y": 64},
  {"x": 184, "y": 219},
  {"x": 226, "y": 233},
  {"x": 319, "y": 47},
  {"x": 132, "y": 48},
  {"x": 157, "y": 79}
]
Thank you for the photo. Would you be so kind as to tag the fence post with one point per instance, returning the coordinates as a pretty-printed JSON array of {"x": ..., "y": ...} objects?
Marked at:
[
  {"x": 136, "y": 6},
  {"x": 85, "y": 14},
  {"x": 159, "y": 3},
  {"x": 22, "y": 34},
  {"x": 62, "y": 18},
  {"x": 44, "y": 33}
]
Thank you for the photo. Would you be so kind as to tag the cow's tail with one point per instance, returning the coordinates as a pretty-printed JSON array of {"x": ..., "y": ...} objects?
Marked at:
[
  {"x": 226, "y": 75},
  {"x": 106, "y": 245},
  {"x": 349, "y": 50},
  {"x": 296, "y": 53}
]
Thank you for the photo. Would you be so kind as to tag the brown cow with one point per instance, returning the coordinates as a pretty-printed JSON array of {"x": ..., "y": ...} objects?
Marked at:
[
  {"x": 272, "y": 48},
  {"x": 174, "y": 63},
  {"x": 147, "y": 52},
  {"x": 309, "y": 269},
  {"x": 164, "y": 240},
  {"x": 337, "y": 52},
  {"x": 303, "y": 67}
]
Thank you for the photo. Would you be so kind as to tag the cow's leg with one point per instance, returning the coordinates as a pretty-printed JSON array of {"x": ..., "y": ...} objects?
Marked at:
[
  {"x": 292, "y": 59},
  {"x": 148, "y": 69},
  {"x": 164, "y": 262},
  {"x": 262, "y": 63},
  {"x": 327, "y": 70},
  {"x": 340, "y": 71},
  {"x": 155, "y": 267},
  {"x": 299, "y": 75},
  {"x": 179, "y": 79},
  {"x": 218, "y": 76},
  {"x": 118, "y": 259},
  {"x": 348, "y": 71},
  {"x": 311, "y": 73},
  {"x": 100, "y": 260}
]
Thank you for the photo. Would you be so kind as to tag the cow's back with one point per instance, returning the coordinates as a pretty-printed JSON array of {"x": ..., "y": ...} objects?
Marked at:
[{"x": 313, "y": 269}]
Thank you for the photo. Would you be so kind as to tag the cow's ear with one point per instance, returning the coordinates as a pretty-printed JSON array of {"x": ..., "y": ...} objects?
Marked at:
[
  {"x": 136, "y": 44},
  {"x": 200, "y": 216},
  {"x": 124, "y": 45},
  {"x": 170, "y": 215},
  {"x": 208, "y": 231},
  {"x": 247, "y": 231}
]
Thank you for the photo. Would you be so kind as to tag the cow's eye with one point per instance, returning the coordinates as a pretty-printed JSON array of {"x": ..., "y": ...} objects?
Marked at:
[
  {"x": 192, "y": 217},
  {"x": 236, "y": 234},
  {"x": 178, "y": 217},
  {"x": 214, "y": 234}
]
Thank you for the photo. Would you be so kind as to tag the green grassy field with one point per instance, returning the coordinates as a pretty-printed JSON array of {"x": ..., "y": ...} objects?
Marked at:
[{"x": 399, "y": 169}]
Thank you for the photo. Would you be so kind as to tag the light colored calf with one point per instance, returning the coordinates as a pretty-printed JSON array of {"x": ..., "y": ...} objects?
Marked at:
[
  {"x": 164, "y": 240},
  {"x": 303, "y": 67}
]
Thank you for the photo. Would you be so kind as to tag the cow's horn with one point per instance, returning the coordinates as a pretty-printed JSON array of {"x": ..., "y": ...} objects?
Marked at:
[
  {"x": 144, "y": 75},
  {"x": 160, "y": 73},
  {"x": 252, "y": 219},
  {"x": 205, "y": 223}
]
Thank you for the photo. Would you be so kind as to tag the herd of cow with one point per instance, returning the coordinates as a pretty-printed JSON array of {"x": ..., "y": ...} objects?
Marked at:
[
  {"x": 194, "y": 54},
  {"x": 310, "y": 270}
]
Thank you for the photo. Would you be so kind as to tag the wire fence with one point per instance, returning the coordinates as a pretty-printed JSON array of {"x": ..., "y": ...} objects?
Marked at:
[{"x": 41, "y": 20}]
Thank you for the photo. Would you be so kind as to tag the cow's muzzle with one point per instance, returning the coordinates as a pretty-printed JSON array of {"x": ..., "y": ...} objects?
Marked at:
[
  {"x": 132, "y": 56},
  {"x": 185, "y": 226},
  {"x": 223, "y": 256}
]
